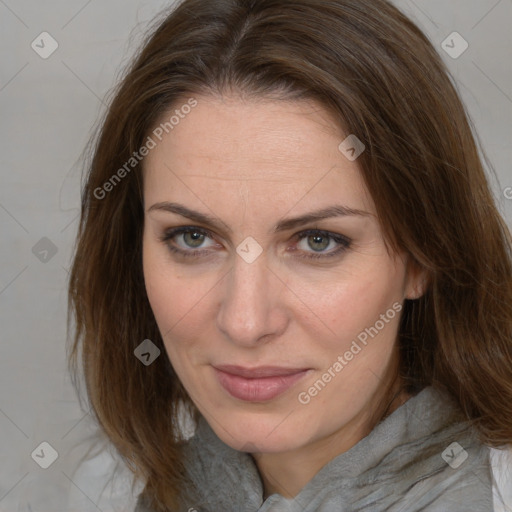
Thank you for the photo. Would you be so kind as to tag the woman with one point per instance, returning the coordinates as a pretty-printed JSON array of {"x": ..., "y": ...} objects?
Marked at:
[{"x": 287, "y": 236}]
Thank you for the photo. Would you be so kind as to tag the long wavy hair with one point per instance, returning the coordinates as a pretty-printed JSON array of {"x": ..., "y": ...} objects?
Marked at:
[{"x": 378, "y": 74}]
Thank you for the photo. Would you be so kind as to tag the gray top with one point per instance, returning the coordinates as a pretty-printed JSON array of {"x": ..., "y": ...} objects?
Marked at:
[{"x": 422, "y": 457}]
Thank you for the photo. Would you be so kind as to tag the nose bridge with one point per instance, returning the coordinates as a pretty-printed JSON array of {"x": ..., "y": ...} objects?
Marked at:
[{"x": 248, "y": 302}]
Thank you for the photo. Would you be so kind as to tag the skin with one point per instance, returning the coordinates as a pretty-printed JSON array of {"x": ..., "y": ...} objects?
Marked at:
[{"x": 250, "y": 164}]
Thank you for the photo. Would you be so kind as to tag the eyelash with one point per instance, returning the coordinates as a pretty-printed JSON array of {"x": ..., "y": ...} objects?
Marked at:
[{"x": 344, "y": 242}]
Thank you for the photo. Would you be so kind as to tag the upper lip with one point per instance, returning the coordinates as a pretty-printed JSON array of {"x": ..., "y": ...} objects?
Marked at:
[{"x": 259, "y": 372}]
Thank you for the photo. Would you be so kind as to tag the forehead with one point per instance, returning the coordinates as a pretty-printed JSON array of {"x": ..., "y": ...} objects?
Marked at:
[{"x": 221, "y": 144}]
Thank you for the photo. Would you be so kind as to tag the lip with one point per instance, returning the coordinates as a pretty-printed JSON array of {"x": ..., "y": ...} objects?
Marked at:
[{"x": 257, "y": 384}]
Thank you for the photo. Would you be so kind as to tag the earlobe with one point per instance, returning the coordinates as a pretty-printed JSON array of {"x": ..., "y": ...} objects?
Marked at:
[
  {"x": 417, "y": 292},
  {"x": 417, "y": 281}
]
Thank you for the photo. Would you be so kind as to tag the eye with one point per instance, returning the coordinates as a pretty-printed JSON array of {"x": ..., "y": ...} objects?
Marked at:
[
  {"x": 187, "y": 240},
  {"x": 319, "y": 241}
]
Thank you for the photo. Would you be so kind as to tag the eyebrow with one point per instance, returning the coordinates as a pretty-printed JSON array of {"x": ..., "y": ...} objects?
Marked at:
[{"x": 283, "y": 225}]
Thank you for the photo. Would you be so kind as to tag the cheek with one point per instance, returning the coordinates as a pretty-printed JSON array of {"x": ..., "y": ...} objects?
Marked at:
[
  {"x": 363, "y": 315},
  {"x": 171, "y": 295},
  {"x": 183, "y": 301},
  {"x": 351, "y": 305}
]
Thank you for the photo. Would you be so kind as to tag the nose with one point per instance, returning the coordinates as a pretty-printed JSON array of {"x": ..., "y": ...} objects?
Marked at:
[{"x": 251, "y": 310}]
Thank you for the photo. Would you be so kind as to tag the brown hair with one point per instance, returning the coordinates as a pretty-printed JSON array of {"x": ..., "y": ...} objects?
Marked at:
[{"x": 372, "y": 68}]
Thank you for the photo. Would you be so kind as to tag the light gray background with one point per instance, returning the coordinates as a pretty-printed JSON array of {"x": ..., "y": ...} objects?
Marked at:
[{"x": 48, "y": 108}]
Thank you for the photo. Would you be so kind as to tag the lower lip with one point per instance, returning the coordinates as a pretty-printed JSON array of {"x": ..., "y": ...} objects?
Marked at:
[{"x": 257, "y": 390}]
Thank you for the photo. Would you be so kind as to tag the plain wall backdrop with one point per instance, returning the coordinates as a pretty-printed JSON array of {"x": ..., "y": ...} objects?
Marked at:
[{"x": 49, "y": 104}]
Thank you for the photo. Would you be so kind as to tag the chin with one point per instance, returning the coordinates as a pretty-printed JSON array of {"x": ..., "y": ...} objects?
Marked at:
[{"x": 258, "y": 431}]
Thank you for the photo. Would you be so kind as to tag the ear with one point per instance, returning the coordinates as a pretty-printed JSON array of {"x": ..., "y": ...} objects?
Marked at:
[{"x": 417, "y": 280}]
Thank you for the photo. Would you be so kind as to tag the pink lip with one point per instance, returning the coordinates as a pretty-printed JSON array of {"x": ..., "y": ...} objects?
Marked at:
[{"x": 257, "y": 384}]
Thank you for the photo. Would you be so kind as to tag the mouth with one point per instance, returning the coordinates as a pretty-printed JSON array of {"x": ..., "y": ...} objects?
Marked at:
[{"x": 259, "y": 384}]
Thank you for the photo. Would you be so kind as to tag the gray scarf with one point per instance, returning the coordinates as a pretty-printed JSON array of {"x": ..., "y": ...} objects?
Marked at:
[{"x": 422, "y": 457}]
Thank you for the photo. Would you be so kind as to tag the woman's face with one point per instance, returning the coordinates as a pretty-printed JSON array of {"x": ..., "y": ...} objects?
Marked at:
[{"x": 277, "y": 300}]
